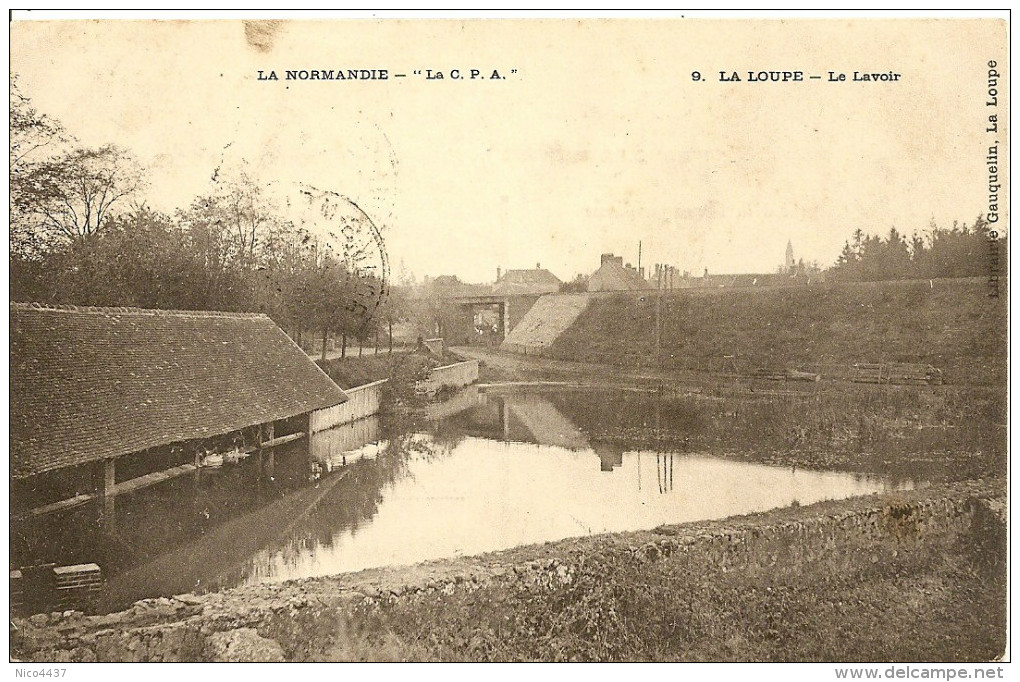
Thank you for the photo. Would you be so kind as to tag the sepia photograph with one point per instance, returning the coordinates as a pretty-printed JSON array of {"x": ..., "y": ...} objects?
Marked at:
[{"x": 435, "y": 338}]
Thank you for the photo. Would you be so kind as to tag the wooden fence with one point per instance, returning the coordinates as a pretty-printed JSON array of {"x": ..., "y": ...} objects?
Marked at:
[{"x": 363, "y": 401}]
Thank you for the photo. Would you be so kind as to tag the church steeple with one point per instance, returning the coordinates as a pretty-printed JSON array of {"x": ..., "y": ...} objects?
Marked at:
[{"x": 789, "y": 256}]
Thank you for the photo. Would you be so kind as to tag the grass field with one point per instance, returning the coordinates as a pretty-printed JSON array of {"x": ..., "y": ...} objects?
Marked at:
[{"x": 951, "y": 324}]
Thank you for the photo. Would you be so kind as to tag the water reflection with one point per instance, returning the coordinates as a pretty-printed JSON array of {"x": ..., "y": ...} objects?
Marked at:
[
  {"x": 486, "y": 495},
  {"x": 664, "y": 473},
  {"x": 346, "y": 444},
  {"x": 483, "y": 471}
]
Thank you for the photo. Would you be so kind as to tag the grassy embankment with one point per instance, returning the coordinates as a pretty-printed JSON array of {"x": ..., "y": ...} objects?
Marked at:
[
  {"x": 907, "y": 433},
  {"x": 900, "y": 577},
  {"x": 951, "y": 324},
  {"x": 402, "y": 369},
  {"x": 870, "y": 602}
]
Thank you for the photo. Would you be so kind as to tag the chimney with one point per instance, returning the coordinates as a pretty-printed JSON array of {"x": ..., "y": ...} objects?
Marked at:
[{"x": 499, "y": 273}]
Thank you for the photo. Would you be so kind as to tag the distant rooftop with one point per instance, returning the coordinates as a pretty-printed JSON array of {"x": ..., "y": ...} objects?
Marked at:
[
  {"x": 536, "y": 281},
  {"x": 612, "y": 275}
]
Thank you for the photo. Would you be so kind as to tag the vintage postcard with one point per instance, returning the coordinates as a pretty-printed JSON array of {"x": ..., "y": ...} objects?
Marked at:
[{"x": 501, "y": 338}]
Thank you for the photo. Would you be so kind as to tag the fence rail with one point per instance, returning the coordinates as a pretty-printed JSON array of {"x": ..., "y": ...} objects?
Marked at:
[{"x": 734, "y": 366}]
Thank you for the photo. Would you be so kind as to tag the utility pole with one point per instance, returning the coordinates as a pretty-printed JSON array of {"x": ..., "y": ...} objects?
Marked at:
[{"x": 658, "y": 320}]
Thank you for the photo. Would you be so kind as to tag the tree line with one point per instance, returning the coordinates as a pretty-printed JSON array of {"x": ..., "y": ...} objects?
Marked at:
[
  {"x": 80, "y": 234},
  {"x": 959, "y": 251}
]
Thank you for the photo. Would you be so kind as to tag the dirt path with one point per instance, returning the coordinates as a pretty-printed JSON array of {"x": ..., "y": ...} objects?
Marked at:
[
  {"x": 503, "y": 366},
  {"x": 506, "y": 366}
]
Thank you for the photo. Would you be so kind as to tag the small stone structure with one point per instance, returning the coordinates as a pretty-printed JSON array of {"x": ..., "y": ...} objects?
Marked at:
[{"x": 456, "y": 375}]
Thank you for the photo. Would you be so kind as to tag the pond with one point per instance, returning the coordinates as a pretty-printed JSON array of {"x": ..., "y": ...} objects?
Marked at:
[
  {"x": 483, "y": 471},
  {"x": 483, "y": 495}
]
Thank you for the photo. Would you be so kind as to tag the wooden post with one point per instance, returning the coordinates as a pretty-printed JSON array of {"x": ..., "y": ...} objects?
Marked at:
[
  {"x": 309, "y": 471},
  {"x": 270, "y": 460},
  {"x": 505, "y": 415},
  {"x": 106, "y": 479},
  {"x": 658, "y": 322},
  {"x": 258, "y": 467}
]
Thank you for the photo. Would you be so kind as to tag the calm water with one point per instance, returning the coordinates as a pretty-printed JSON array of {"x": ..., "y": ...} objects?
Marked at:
[
  {"x": 484, "y": 471},
  {"x": 485, "y": 495}
]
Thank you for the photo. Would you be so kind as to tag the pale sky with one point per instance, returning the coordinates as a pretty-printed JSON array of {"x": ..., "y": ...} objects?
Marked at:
[{"x": 600, "y": 139}]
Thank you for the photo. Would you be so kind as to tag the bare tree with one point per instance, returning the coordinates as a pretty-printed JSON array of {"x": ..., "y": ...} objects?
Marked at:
[
  {"x": 74, "y": 195},
  {"x": 34, "y": 138}
]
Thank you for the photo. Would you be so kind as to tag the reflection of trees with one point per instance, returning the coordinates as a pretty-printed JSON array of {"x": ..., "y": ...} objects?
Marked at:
[
  {"x": 445, "y": 434},
  {"x": 483, "y": 420},
  {"x": 837, "y": 430},
  {"x": 356, "y": 499}
]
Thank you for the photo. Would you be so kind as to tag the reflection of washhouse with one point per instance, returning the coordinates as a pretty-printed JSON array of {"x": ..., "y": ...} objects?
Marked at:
[
  {"x": 218, "y": 555},
  {"x": 345, "y": 444}
]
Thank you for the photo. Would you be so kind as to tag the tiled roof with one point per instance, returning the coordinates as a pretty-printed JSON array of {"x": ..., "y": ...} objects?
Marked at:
[
  {"x": 93, "y": 383},
  {"x": 614, "y": 277},
  {"x": 448, "y": 286},
  {"x": 538, "y": 281}
]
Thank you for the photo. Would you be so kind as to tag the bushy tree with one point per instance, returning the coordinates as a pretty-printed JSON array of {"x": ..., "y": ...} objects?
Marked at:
[
  {"x": 960, "y": 251},
  {"x": 77, "y": 237}
]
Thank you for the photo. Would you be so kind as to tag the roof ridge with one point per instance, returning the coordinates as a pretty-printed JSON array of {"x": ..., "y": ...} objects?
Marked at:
[{"x": 131, "y": 310}]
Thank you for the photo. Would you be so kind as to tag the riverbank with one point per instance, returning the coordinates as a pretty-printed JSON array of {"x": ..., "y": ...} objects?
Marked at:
[
  {"x": 903, "y": 576},
  {"x": 934, "y": 433}
]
